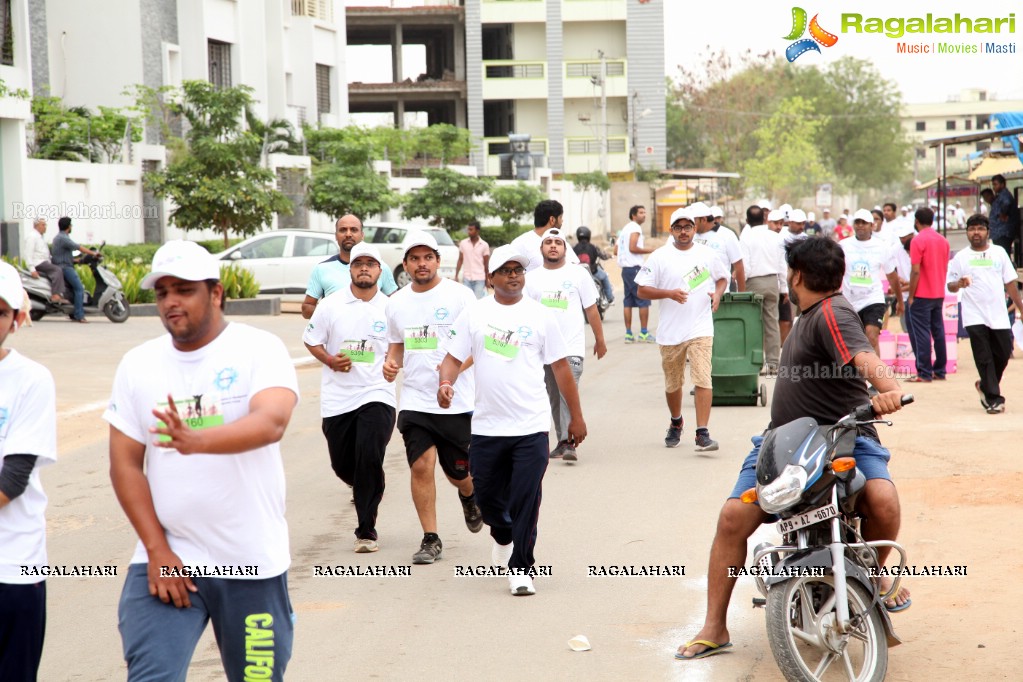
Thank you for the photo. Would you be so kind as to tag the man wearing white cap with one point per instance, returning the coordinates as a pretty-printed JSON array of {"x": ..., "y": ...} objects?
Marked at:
[
  {"x": 28, "y": 442},
  {"x": 196, "y": 418},
  {"x": 869, "y": 261},
  {"x": 510, "y": 338},
  {"x": 348, "y": 335},
  {"x": 827, "y": 222},
  {"x": 419, "y": 319},
  {"x": 688, "y": 279},
  {"x": 569, "y": 292},
  {"x": 763, "y": 258},
  {"x": 724, "y": 244},
  {"x": 795, "y": 226}
]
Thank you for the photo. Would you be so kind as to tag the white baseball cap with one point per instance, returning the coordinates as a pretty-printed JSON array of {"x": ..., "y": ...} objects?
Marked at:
[
  {"x": 10, "y": 286},
  {"x": 184, "y": 260},
  {"x": 764, "y": 204},
  {"x": 503, "y": 254},
  {"x": 699, "y": 210},
  {"x": 904, "y": 229},
  {"x": 364, "y": 249},
  {"x": 797, "y": 216},
  {"x": 864, "y": 215},
  {"x": 825, "y": 210},
  {"x": 417, "y": 238},
  {"x": 554, "y": 233},
  {"x": 679, "y": 214},
  {"x": 716, "y": 212},
  {"x": 811, "y": 216},
  {"x": 775, "y": 215}
]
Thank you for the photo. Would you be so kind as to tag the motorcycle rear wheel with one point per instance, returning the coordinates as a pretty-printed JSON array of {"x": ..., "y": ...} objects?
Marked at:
[
  {"x": 117, "y": 310},
  {"x": 801, "y": 616}
]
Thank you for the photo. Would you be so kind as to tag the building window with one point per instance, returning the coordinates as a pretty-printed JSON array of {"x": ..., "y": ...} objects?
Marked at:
[
  {"x": 969, "y": 124},
  {"x": 921, "y": 153},
  {"x": 950, "y": 125},
  {"x": 323, "y": 88},
  {"x": 220, "y": 64},
  {"x": 950, "y": 152},
  {"x": 7, "y": 46},
  {"x": 921, "y": 126}
]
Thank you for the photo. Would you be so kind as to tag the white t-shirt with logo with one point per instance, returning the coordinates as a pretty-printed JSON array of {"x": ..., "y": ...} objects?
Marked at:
[
  {"x": 566, "y": 291},
  {"x": 867, "y": 264},
  {"x": 342, "y": 322},
  {"x": 216, "y": 510},
  {"x": 509, "y": 345},
  {"x": 529, "y": 243},
  {"x": 422, "y": 321},
  {"x": 28, "y": 426},
  {"x": 626, "y": 258},
  {"x": 696, "y": 271},
  {"x": 989, "y": 271},
  {"x": 723, "y": 243}
]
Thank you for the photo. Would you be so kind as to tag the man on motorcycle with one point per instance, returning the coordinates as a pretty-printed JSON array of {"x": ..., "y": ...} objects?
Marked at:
[
  {"x": 63, "y": 247},
  {"x": 590, "y": 256},
  {"x": 823, "y": 365}
]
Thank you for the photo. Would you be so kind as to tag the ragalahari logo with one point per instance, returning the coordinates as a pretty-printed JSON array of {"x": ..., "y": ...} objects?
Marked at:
[{"x": 818, "y": 35}]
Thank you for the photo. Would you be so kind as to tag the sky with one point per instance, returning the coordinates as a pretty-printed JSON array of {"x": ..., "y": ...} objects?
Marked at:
[{"x": 692, "y": 29}]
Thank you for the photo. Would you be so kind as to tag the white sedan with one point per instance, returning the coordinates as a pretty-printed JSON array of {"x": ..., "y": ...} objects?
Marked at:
[{"x": 282, "y": 260}]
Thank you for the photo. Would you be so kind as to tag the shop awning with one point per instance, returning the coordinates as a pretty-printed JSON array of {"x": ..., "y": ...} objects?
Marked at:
[{"x": 994, "y": 165}]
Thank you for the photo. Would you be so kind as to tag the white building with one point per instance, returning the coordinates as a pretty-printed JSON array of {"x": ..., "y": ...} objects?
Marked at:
[{"x": 16, "y": 76}]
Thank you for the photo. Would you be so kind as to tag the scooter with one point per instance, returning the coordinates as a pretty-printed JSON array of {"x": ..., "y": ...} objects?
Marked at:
[
  {"x": 826, "y": 615},
  {"x": 108, "y": 297},
  {"x": 602, "y": 301}
]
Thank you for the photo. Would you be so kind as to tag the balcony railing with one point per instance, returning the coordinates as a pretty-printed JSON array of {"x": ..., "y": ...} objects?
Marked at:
[{"x": 588, "y": 69}]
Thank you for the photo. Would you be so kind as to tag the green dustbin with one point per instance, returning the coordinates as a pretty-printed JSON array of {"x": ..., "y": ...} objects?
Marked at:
[{"x": 738, "y": 351}]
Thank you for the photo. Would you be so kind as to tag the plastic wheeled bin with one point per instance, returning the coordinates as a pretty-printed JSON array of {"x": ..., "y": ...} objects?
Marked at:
[{"x": 738, "y": 351}]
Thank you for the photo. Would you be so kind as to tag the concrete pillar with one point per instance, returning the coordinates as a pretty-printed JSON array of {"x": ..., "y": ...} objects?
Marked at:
[
  {"x": 399, "y": 114},
  {"x": 397, "y": 37}
]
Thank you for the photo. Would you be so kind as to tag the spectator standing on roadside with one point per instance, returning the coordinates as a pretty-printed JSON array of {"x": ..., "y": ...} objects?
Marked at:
[
  {"x": 986, "y": 276},
  {"x": 63, "y": 249},
  {"x": 1004, "y": 215},
  {"x": 37, "y": 257},
  {"x": 335, "y": 272},
  {"x": 203, "y": 492},
  {"x": 928, "y": 253},
  {"x": 28, "y": 442},
  {"x": 473, "y": 254},
  {"x": 630, "y": 251}
]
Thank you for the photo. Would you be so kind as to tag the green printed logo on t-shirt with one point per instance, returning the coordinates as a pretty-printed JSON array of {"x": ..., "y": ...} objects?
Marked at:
[
  {"x": 196, "y": 412},
  {"x": 981, "y": 261},
  {"x": 501, "y": 343},
  {"x": 555, "y": 298},
  {"x": 359, "y": 351},
  {"x": 420, "y": 338},
  {"x": 697, "y": 276}
]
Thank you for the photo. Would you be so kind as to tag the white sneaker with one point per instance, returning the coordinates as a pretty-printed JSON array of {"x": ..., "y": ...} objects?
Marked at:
[
  {"x": 521, "y": 585},
  {"x": 365, "y": 545},
  {"x": 501, "y": 554}
]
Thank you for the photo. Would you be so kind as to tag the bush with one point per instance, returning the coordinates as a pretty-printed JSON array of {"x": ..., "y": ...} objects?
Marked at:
[
  {"x": 143, "y": 252},
  {"x": 499, "y": 236}
]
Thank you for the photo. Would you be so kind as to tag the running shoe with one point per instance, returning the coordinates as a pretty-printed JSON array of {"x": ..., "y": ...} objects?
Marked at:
[
  {"x": 646, "y": 338},
  {"x": 472, "y": 513},
  {"x": 365, "y": 546},
  {"x": 429, "y": 551},
  {"x": 629, "y": 338},
  {"x": 569, "y": 454},
  {"x": 674, "y": 436},
  {"x": 983, "y": 398},
  {"x": 521, "y": 585},
  {"x": 704, "y": 442},
  {"x": 559, "y": 451},
  {"x": 996, "y": 408}
]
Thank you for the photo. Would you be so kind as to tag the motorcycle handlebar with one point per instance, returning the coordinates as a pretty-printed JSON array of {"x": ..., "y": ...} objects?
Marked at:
[{"x": 865, "y": 413}]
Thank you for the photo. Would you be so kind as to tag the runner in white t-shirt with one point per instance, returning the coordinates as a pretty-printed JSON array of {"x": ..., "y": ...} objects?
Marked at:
[
  {"x": 547, "y": 214},
  {"x": 419, "y": 319},
  {"x": 689, "y": 280},
  {"x": 196, "y": 418},
  {"x": 869, "y": 261},
  {"x": 510, "y": 338},
  {"x": 569, "y": 292},
  {"x": 722, "y": 242},
  {"x": 986, "y": 276},
  {"x": 630, "y": 251},
  {"x": 28, "y": 442},
  {"x": 348, "y": 335}
]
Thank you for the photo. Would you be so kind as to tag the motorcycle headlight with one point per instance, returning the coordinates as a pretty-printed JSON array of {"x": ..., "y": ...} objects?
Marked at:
[{"x": 783, "y": 491}]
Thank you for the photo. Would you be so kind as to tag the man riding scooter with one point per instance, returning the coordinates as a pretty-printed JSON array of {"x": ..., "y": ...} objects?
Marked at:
[
  {"x": 63, "y": 247},
  {"x": 593, "y": 256},
  {"x": 37, "y": 257}
]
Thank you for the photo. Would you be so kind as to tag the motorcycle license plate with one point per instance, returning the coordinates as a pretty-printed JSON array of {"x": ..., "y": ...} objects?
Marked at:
[{"x": 808, "y": 519}]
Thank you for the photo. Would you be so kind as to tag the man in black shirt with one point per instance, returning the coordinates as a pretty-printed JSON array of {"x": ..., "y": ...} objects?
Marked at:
[
  {"x": 824, "y": 362},
  {"x": 590, "y": 256}
]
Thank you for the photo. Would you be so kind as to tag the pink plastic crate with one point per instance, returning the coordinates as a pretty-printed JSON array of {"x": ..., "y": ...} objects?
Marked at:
[{"x": 950, "y": 314}]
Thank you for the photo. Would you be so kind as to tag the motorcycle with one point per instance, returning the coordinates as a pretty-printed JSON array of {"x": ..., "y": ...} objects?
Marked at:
[
  {"x": 108, "y": 296},
  {"x": 602, "y": 301},
  {"x": 826, "y": 617}
]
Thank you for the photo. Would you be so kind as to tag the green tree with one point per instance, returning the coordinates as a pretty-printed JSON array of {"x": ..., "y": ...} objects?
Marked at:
[
  {"x": 510, "y": 203},
  {"x": 443, "y": 141},
  {"x": 343, "y": 179},
  {"x": 277, "y": 134},
  {"x": 57, "y": 132},
  {"x": 787, "y": 163},
  {"x": 219, "y": 183},
  {"x": 449, "y": 199}
]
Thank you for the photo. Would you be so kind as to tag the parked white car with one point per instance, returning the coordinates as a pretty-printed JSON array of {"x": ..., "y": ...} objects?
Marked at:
[{"x": 282, "y": 260}]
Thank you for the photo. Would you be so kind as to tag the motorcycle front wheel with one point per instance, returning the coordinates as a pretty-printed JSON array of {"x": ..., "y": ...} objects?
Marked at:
[
  {"x": 801, "y": 631},
  {"x": 117, "y": 309}
]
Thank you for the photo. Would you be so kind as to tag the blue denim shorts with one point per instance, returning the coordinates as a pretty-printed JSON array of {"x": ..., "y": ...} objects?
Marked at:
[{"x": 871, "y": 458}]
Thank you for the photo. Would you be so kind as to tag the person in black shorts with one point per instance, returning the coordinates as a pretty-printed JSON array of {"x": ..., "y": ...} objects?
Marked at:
[
  {"x": 821, "y": 375},
  {"x": 419, "y": 319}
]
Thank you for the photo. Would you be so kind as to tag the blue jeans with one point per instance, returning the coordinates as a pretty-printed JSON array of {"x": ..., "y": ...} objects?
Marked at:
[
  {"x": 609, "y": 291},
  {"x": 927, "y": 325},
  {"x": 478, "y": 286},
  {"x": 72, "y": 280},
  {"x": 252, "y": 620}
]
